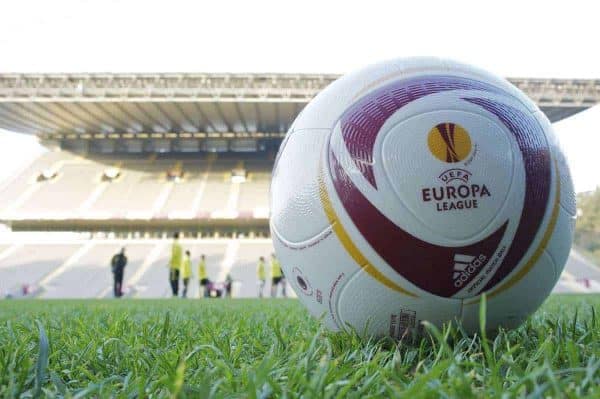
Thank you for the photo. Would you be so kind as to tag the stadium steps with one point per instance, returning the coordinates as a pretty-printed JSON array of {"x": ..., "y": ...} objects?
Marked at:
[
  {"x": 233, "y": 246},
  {"x": 150, "y": 260},
  {"x": 95, "y": 194},
  {"x": 79, "y": 193},
  {"x": 162, "y": 198},
  {"x": 165, "y": 193},
  {"x": 7, "y": 251},
  {"x": 13, "y": 188},
  {"x": 46, "y": 281},
  {"x": 60, "y": 197},
  {"x": 201, "y": 188},
  {"x": 10, "y": 212},
  {"x": 92, "y": 198},
  {"x": 28, "y": 263}
]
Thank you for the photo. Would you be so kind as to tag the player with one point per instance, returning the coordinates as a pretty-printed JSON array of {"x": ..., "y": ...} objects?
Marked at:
[
  {"x": 203, "y": 276},
  {"x": 260, "y": 274},
  {"x": 276, "y": 277},
  {"x": 186, "y": 272},
  {"x": 228, "y": 285},
  {"x": 175, "y": 264},
  {"x": 118, "y": 263},
  {"x": 283, "y": 284}
]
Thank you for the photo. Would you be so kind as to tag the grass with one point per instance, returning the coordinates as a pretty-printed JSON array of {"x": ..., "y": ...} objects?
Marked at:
[{"x": 272, "y": 348}]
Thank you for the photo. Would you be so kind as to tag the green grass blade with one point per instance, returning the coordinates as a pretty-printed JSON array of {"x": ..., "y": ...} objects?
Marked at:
[{"x": 42, "y": 361}]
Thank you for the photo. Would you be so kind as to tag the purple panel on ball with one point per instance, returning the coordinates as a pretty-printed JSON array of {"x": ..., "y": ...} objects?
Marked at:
[
  {"x": 426, "y": 265},
  {"x": 536, "y": 157},
  {"x": 361, "y": 123}
]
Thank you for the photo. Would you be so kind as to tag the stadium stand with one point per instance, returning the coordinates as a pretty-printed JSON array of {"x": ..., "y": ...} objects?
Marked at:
[
  {"x": 79, "y": 268},
  {"x": 142, "y": 189},
  {"x": 17, "y": 189},
  {"x": 184, "y": 196},
  {"x": 27, "y": 265},
  {"x": 134, "y": 194},
  {"x": 61, "y": 196},
  {"x": 134, "y": 157},
  {"x": 254, "y": 193}
]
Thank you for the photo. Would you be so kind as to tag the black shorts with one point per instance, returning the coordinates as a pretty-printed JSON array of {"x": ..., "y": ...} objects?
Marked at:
[
  {"x": 277, "y": 280},
  {"x": 204, "y": 281}
]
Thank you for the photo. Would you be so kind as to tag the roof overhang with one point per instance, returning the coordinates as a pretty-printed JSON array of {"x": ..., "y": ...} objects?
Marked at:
[{"x": 65, "y": 106}]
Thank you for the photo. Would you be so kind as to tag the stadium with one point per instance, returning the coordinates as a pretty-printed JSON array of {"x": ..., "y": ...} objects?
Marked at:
[{"x": 133, "y": 158}]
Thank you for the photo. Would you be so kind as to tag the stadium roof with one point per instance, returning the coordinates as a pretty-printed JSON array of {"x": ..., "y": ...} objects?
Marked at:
[{"x": 65, "y": 106}]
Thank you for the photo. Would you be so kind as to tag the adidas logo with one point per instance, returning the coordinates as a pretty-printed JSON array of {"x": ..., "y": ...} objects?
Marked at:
[
  {"x": 460, "y": 264},
  {"x": 465, "y": 266}
]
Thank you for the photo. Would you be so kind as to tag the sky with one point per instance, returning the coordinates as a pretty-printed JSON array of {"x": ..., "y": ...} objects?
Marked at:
[
  {"x": 579, "y": 136},
  {"x": 509, "y": 38}
]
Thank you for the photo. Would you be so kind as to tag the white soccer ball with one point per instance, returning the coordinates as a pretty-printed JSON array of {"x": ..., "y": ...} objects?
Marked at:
[{"x": 405, "y": 190}]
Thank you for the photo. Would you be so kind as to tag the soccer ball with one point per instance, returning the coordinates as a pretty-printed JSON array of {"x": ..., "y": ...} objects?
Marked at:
[{"x": 404, "y": 191}]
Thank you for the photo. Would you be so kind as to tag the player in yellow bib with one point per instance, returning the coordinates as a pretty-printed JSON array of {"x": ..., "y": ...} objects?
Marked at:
[
  {"x": 175, "y": 264},
  {"x": 277, "y": 277},
  {"x": 203, "y": 276},
  {"x": 261, "y": 276},
  {"x": 186, "y": 272}
]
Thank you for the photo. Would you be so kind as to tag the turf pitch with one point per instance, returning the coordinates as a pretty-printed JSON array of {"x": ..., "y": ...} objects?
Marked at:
[{"x": 272, "y": 348}]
